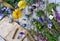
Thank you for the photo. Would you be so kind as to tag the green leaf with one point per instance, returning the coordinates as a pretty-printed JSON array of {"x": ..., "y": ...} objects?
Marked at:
[
  {"x": 50, "y": 37},
  {"x": 9, "y": 0},
  {"x": 30, "y": 2},
  {"x": 40, "y": 13},
  {"x": 55, "y": 23},
  {"x": 50, "y": 7},
  {"x": 7, "y": 5},
  {"x": 5, "y": 12}
]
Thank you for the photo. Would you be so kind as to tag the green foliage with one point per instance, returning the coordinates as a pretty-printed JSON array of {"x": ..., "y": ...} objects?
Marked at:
[
  {"x": 29, "y": 2},
  {"x": 5, "y": 12},
  {"x": 40, "y": 12},
  {"x": 55, "y": 34},
  {"x": 11, "y": 2},
  {"x": 55, "y": 24},
  {"x": 37, "y": 25},
  {"x": 50, "y": 37},
  {"x": 50, "y": 7}
]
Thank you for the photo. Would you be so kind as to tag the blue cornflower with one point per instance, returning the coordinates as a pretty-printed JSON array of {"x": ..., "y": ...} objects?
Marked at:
[
  {"x": 21, "y": 33},
  {"x": 40, "y": 18}
]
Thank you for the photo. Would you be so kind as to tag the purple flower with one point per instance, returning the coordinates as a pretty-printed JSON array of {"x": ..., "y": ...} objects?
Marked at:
[
  {"x": 49, "y": 25},
  {"x": 0, "y": 11},
  {"x": 8, "y": 10},
  {"x": 58, "y": 22},
  {"x": 18, "y": 37},
  {"x": 41, "y": 38},
  {"x": 57, "y": 16}
]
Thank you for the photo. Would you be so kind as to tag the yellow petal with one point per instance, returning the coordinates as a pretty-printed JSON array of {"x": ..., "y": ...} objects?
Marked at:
[
  {"x": 14, "y": 15},
  {"x": 22, "y": 4},
  {"x": 17, "y": 13}
]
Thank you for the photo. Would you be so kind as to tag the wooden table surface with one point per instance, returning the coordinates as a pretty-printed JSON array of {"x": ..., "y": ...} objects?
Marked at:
[{"x": 8, "y": 29}]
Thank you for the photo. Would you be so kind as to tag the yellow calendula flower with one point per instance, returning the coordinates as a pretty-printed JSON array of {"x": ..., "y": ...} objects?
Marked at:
[
  {"x": 22, "y": 4},
  {"x": 17, "y": 14}
]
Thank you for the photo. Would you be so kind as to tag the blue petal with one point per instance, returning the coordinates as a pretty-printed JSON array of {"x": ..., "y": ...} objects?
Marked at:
[
  {"x": 21, "y": 33},
  {"x": 45, "y": 19},
  {"x": 40, "y": 18},
  {"x": 49, "y": 22},
  {"x": 18, "y": 37}
]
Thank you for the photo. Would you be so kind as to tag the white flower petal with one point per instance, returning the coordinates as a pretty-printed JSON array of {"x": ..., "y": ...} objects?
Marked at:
[{"x": 51, "y": 17}]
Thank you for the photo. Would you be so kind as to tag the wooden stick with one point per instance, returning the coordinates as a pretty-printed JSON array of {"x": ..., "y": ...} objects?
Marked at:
[
  {"x": 29, "y": 35},
  {"x": 15, "y": 33}
]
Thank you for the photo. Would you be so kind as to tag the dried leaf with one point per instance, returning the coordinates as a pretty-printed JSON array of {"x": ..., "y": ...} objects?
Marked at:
[{"x": 7, "y": 5}]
